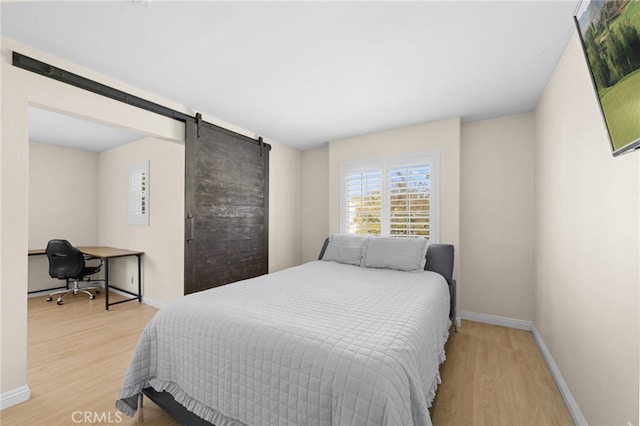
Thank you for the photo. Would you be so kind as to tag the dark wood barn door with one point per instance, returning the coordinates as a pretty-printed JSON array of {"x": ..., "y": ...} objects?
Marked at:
[{"x": 226, "y": 206}]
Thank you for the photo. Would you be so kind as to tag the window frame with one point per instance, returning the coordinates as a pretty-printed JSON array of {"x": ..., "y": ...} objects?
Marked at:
[{"x": 384, "y": 164}]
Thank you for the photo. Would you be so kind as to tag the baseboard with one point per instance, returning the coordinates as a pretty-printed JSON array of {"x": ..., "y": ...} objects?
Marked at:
[
  {"x": 40, "y": 293},
  {"x": 48, "y": 291},
  {"x": 147, "y": 301},
  {"x": 496, "y": 320},
  {"x": 154, "y": 303},
  {"x": 570, "y": 402},
  {"x": 15, "y": 396}
]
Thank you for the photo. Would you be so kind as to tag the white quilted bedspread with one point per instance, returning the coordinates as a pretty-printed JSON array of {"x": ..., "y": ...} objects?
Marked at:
[{"x": 318, "y": 344}]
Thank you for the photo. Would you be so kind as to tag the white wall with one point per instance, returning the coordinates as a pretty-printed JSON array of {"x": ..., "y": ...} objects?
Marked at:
[
  {"x": 163, "y": 240},
  {"x": 63, "y": 203},
  {"x": 496, "y": 217},
  {"x": 315, "y": 202},
  {"x": 587, "y": 256},
  {"x": 441, "y": 135}
]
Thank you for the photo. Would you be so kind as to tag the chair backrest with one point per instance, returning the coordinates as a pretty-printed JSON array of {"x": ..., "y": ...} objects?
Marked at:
[{"x": 65, "y": 261}]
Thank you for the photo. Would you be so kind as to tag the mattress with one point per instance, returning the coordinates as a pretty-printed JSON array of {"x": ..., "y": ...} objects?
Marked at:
[{"x": 318, "y": 344}]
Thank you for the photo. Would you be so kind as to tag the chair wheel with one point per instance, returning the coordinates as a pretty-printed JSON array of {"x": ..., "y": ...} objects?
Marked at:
[
  {"x": 98, "y": 291},
  {"x": 59, "y": 302},
  {"x": 49, "y": 299},
  {"x": 91, "y": 297}
]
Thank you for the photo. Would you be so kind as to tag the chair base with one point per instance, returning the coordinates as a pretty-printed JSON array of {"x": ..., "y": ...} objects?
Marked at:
[{"x": 75, "y": 290}]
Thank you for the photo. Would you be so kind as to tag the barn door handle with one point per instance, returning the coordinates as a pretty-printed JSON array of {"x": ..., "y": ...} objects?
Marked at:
[{"x": 190, "y": 228}]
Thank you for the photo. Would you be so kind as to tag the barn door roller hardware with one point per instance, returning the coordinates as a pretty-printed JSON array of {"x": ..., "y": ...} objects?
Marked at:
[
  {"x": 21, "y": 61},
  {"x": 47, "y": 70}
]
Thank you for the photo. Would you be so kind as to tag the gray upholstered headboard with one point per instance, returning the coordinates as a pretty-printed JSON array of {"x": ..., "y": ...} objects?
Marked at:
[{"x": 440, "y": 258}]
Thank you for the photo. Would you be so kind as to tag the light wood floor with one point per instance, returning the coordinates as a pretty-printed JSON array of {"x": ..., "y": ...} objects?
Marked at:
[
  {"x": 496, "y": 376},
  {"x": 78, "y": 354}
]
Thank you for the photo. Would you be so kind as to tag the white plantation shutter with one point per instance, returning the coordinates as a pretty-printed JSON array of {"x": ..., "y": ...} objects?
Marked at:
[
  {"x": 364, "y": 201},
  {"x": 409, "y": 200},
  {"x": 391, "y": 196}
]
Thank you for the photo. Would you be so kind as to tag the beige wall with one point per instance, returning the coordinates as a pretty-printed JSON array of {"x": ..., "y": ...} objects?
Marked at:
[
  {"x": 323, "y": 178},
  {"x": 86, "y": 203},
  {"x": 285, "y": 186},
  {"x": 586, "y": 209},
  {"x": 441, "y": 135},
  {"x": 63, "y": 184},
  {"x": 315, "y": 202},
  {"x": 496, "y": 217},
  {"x": 487, "y": 203},
  {"x": 586, "y": 248},
  {"x": 162, "y": 240},
  {"x": 20, "y": 89}
]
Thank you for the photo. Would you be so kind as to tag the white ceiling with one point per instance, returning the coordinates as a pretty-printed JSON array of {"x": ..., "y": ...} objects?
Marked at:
[
  {"x": 70, "y": 132},
  {"x": 303, "y": 73}
]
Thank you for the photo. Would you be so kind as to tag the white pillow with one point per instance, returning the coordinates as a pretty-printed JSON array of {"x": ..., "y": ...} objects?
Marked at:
[
  {"x": 345, "y": 248},
  {"x": 404, "y": 254}
]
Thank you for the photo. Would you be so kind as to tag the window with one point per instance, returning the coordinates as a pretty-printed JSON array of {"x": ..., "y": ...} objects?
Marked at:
[{"x": 391, "y": 196}]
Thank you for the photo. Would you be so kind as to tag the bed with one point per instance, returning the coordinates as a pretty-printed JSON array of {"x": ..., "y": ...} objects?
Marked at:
[{"x": 347, "y": 339}]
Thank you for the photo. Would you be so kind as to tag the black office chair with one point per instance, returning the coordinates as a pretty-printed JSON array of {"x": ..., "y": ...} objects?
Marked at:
[{"x": 68, "y": 263}]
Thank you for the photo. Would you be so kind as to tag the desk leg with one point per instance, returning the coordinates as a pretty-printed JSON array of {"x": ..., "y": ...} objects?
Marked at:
[
  {"x": 139, "y": 279},
  {"x": 106, "y": 283}
]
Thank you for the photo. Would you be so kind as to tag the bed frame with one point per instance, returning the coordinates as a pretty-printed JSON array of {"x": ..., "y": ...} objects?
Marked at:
[{"x": 440, "y": 259}]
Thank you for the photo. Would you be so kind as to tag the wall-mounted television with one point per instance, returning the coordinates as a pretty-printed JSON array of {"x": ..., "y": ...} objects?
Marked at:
[{"x": 610, "y": 35}]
